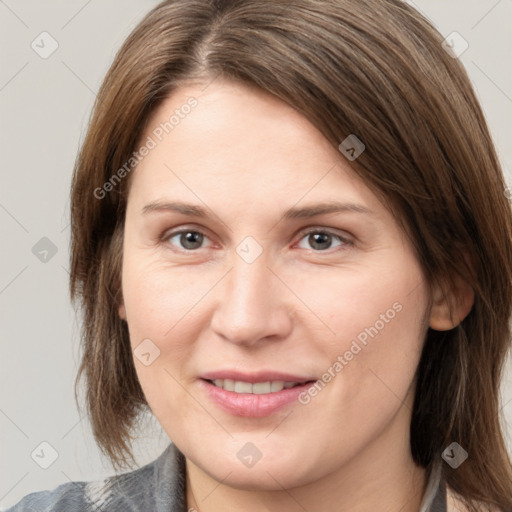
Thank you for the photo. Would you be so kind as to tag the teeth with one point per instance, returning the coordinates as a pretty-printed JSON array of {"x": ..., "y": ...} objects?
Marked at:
[
  {"x": 278, "y": 385},
  {"x": 229, "y": 385},
  {"x": 258, "y": 388},
  {"x": 243, "y": 387}
]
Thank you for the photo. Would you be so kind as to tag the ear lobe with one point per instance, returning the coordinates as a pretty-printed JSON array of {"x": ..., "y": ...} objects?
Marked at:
[
  {"x": 122, "y": 312},
  {"x": 450, "y": 308}
]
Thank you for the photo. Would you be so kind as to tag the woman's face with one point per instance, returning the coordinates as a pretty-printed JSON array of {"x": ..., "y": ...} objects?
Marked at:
[{"x": 265, "y": 292}]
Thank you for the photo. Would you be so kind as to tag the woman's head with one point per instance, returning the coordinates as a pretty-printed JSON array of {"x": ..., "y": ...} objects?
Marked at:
[
  {"x": 249, "y": 295},
  {"x": 247, "y": 111}
]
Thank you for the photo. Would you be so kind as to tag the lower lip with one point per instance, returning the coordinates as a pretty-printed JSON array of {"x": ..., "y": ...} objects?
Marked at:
[{"x": 250, "y": 404}]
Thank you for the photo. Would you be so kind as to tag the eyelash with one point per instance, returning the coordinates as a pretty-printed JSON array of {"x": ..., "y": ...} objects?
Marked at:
[{"x": 345, "y": 241}]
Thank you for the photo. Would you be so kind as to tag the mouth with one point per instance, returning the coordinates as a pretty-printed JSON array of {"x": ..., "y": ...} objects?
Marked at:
[{"x": 253, "y": 397}]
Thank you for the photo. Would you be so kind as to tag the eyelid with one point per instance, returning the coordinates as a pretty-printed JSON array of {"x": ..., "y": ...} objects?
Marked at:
[{"x": 319, "y": 229}]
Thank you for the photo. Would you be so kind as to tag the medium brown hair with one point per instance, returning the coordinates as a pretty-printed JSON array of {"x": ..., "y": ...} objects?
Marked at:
[{"x": 374, "y": 68}]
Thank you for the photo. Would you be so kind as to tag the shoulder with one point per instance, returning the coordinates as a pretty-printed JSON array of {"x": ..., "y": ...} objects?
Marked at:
[
  {"x": 156, "y": 486},
  {"x": 456, "y": 504},
  {"x": 67, "y": 496}
]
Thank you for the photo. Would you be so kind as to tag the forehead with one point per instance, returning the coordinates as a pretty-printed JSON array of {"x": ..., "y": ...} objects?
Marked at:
[{"x": 231, "y": 141}]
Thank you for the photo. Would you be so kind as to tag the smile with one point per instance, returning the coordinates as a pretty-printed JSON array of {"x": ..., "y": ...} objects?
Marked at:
[{"x": 252, "y": 399}]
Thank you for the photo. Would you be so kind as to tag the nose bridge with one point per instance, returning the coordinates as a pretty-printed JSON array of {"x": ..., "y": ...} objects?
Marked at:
[
  {"x": 252, "y": 304},
  {"x": 250, "y": 282}
]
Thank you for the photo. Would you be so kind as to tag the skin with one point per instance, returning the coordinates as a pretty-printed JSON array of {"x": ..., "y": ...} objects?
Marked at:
[{"x": 247, "y": 156}]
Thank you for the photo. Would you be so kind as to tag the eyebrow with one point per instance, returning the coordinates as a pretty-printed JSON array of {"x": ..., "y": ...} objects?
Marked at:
[{"x": 304, "y": 212}]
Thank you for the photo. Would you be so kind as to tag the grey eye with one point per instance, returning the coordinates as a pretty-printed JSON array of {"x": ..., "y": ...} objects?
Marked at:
[
  {"x": 321, "y": 240},
  {"x": 188, "y": 239}
]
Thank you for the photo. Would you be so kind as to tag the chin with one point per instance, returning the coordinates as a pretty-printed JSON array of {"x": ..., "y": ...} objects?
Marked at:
[
  {"x": 262, "y": 477},
  {"x": 272, "y": 472}
]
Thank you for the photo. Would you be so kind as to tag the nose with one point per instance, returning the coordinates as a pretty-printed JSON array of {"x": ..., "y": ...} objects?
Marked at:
[{"x": 253, "y": 304}]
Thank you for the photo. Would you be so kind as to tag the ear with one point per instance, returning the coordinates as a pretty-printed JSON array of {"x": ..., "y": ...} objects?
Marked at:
[
  {"x": 449, "y": 308},
  {"x": 122, "y": 312}
]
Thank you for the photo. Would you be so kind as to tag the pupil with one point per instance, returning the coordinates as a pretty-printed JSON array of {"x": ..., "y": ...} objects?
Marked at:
[
  {"x": 319, "y": 238},
  {"x": 191, "y": 239}
]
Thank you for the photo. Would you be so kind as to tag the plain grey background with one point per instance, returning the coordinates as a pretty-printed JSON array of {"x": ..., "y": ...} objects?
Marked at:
[{"x": 45, "y": 104}]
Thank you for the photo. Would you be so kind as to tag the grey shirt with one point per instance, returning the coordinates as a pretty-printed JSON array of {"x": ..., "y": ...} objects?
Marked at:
[{"x": 156, "y": 487}]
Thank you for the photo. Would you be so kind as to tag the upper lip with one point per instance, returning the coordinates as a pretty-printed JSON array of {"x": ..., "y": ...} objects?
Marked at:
[{"x": 260, "y": 376}]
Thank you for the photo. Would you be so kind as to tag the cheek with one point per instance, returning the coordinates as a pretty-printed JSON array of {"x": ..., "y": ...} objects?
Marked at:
[
  {"x": 161, "y": 323},
  {"x": 163, "y": 308},
  {"x": 373, "y": 337},
  {"x": 362, "y": 304},
  {"x": 160, "y": 299}
]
